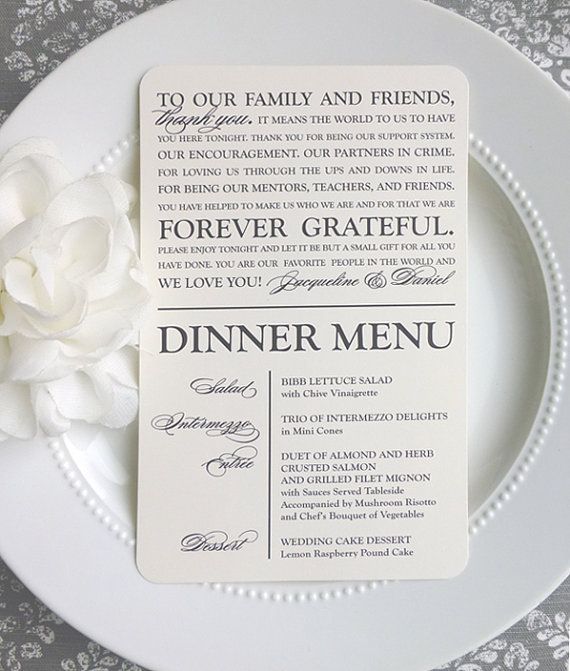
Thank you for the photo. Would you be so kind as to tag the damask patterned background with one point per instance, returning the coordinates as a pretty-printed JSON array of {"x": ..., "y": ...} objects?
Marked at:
[{"x": 35, "y": 37}]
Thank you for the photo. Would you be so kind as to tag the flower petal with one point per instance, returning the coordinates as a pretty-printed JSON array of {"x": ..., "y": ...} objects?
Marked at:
[
  {"x": 76, "y": 397},
  {"x": 120, "y": 402},
  {"x": 122, "y": 366},
  {"x": 101, "y": 196},
  {"x": 16, "y": 412},
  {"x": 30, "y": 175},
  {"x": 36, "y": 360},
  {"x": 72, "y": 295},
  {"x": 84, "y": 248},
  {"x": 50, "y": 419}
]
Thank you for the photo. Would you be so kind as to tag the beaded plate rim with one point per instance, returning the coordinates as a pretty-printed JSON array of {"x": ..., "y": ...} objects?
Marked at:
[{"x": 551, "y": 396}]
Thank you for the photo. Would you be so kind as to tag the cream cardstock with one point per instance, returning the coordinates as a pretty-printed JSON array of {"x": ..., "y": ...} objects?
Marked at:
[{"x": 303, "y": 370}]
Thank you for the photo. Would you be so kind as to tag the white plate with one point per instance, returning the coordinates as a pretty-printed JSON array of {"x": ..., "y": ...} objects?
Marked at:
[{"x": 82, "y": 564}]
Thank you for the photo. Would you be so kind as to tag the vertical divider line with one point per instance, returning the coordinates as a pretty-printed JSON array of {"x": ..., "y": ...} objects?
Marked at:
[{"x": 269, "y": 431}]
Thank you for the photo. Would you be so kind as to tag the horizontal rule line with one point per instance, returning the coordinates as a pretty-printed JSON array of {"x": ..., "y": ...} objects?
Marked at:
[{"x": 312, "y": 307}]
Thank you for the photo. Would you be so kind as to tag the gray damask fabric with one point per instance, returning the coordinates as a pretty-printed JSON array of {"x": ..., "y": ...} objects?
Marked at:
[{"x": 35, "y": 37}]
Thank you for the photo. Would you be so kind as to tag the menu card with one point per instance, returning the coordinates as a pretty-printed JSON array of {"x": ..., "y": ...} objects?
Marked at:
[{"x": 303, "y": 369}]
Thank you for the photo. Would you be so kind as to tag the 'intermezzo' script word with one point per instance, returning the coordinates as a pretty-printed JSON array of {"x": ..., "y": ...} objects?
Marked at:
[{"x": 240, "y": 431}]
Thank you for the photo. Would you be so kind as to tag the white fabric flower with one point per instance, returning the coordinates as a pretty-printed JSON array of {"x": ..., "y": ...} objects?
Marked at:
[{"x": 72, "y": 295}]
